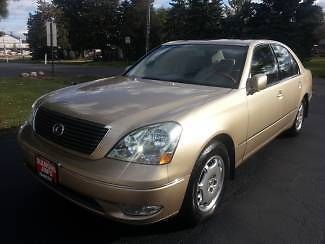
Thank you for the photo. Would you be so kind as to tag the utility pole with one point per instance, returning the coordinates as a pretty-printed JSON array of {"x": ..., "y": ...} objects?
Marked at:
[
  {"x": 21, "y": 47},
  {"x": 51, "y": 33},
  {"x": 4, "y": 47},
  {"x": 52, "y": 50},
  {"x": 149, "y": 2}
]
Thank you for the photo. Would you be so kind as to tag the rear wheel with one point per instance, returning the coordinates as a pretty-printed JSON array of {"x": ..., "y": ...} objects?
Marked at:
[
  {"x": 297, "y": 126},
  {"x": 207, "y": 183}
]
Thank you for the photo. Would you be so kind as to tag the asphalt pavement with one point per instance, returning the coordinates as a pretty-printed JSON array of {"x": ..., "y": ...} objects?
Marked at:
[
  {"x": 278, "y": 196},
  {"x": 15, "y": 69}
]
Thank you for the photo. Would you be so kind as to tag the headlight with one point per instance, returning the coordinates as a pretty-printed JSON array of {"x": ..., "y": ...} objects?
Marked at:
[{"x": 154, "y": 144}]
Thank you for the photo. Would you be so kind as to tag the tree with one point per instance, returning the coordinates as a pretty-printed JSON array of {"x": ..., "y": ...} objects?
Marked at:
[
  {"x": 3, "y": 8},
  {"x": 235, "y": 7},
  {"x": 36, "y": 36},
  {"x": 158, "y": 23},
  {"x": 104, "y": 24},
  {"x": 92, "y": 23},
  {"x": 239, "y": 15},
  {"x": 215, "y": 16},
  {"x": 320, "y": 32},
  {"x": 132, "y": 23},
  {"x": 292, "y": 22},
  {"x": 195, "y": 19},
  {"x": 176, "y": 20},
  {"x": 309, "y": 17}
]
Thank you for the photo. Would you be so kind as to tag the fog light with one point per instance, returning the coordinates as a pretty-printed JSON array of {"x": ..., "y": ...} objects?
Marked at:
[{"x": 133, "y": 210}]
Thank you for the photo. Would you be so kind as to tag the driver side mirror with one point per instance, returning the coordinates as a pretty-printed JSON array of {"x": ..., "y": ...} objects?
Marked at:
[{"x": 257, "y": 83}]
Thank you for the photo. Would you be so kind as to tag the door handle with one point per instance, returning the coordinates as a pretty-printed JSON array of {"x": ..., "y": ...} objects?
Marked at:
[{"x": 280, "y": 94}]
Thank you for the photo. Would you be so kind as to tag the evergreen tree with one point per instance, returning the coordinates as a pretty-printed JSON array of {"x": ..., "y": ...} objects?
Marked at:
[
  {"x": 239, "y": 15},
  {"x": 177, "y": 20},
  {"x": 36, "y": 36},
  {"x": 104, "y": 24},
  {"x": 133, "y": 24},
  {"x": 320, "y": 32},
  {"x": 3, "y": 8},
  {"x": 235, "y": 7},
  {"x": 292, "y": 22},
  {"x": 195, "y": 19},
  {"x": 92, "y": 23},
  {"x": 215, "y": 16},
  {"x": 309, "y": 17}
]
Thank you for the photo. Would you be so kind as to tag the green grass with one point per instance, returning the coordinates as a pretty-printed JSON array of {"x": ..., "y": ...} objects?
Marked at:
[
  {"x": 119, "y": 64},
  {"x": 18, "y": 94},
  {"x": 317, "y": 66},
  {"x": 81, "y": 62}
]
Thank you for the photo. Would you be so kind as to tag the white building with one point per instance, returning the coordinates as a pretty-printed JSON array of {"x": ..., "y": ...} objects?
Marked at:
[{"x": 11, "y": 43}]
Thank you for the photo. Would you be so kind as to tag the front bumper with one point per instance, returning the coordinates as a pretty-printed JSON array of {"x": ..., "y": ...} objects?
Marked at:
[{"x": 104, "y": 186}]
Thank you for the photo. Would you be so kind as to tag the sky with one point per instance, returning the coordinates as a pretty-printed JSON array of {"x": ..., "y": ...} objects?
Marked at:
[{"x": 19, "y": 11}]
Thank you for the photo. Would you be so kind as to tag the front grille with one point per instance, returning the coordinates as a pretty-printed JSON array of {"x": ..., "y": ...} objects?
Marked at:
[{"x": 78, "y": 135}]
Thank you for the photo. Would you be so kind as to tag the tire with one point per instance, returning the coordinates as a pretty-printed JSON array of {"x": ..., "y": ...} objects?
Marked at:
[
  {"x": 208, "y": 181},
  {"x": 298, "y": 124}
]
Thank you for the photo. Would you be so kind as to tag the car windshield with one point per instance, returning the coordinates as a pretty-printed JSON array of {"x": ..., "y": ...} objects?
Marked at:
[{"x": 200, "y": 64}]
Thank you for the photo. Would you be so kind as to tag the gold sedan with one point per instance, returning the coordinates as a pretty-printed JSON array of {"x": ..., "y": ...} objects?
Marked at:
[{"x": 167, "y": 135}]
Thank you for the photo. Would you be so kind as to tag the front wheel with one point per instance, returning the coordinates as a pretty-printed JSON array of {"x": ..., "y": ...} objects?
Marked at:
[
  {"x": 207, "y": 183},
  {"x": 297, "y": 126}
]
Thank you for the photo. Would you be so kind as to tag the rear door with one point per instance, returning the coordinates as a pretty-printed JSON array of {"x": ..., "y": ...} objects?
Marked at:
[{"x": 290, "y": 80}]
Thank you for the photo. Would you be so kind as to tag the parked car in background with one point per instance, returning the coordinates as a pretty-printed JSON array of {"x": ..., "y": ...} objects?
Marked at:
[{"x": 166, "y": 137}]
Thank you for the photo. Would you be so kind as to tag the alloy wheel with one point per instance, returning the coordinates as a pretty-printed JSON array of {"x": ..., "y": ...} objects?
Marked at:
[
  {"x": 300, "y": 117},
  {"x": 210, "y": 183}
]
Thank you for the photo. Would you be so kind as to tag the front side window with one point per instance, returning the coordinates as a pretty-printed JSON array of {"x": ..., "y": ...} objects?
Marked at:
[
  {"x": 200, "y": 64},
  {"x": 264, "y": 62},
  {"x": 287, "y": 64}
]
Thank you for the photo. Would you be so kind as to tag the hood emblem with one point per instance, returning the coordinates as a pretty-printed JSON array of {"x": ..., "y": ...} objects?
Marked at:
[{"x": 58, "y": 129}]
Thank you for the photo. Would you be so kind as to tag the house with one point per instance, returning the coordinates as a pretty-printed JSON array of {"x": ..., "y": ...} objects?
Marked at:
[{"x": 11, "y": 44}]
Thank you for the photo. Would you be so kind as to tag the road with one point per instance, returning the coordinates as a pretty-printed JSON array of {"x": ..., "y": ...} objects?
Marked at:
[
  {"x": 15, "y": 69},
  {"x": 278, "y": 196}
]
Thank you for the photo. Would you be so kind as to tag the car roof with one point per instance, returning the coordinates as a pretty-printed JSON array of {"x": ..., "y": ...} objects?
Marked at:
[{"x": 236, "y": 42}]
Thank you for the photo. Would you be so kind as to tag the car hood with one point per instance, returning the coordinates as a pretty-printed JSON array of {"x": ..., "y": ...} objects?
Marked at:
[{"x": 123, "y": 98}]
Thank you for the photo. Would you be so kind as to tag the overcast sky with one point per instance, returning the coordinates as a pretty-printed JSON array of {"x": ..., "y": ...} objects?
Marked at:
[{"x": 19, "y": 10}]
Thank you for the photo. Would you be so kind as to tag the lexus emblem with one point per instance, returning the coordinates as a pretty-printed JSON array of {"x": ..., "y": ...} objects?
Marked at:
[{"x": 58, "y": 129}]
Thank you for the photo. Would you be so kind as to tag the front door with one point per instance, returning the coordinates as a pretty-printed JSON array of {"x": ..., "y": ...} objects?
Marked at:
[{"x": 264, "y": 107}]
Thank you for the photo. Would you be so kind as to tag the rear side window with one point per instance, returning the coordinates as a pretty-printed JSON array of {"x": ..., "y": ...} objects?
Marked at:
[
  {"x": 288, "y": 66},
  {"x": 264, "y": 62}
]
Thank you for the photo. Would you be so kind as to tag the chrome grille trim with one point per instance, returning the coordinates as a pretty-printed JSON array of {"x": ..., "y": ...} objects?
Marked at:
[{"x": 79, "y": 135}]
